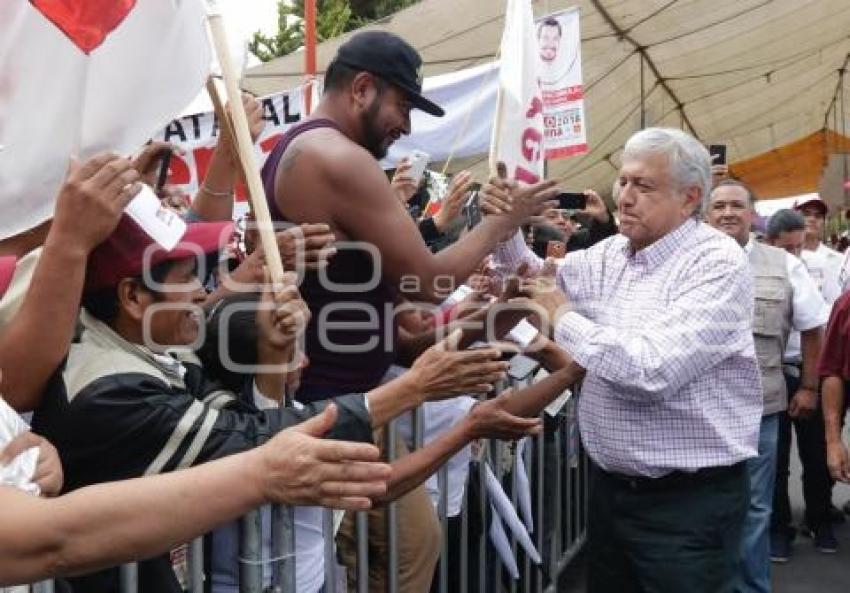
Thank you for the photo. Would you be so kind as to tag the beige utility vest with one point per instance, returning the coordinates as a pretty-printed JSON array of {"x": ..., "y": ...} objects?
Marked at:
[{"x": 771, "y": 321}]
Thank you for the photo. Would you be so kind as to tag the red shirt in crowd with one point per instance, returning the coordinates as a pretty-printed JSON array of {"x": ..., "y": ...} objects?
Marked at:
[{"x": 835, "y": 350}]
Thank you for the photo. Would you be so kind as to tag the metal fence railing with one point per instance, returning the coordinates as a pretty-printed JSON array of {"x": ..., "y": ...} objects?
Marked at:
[{"x": 558, "y": 473}]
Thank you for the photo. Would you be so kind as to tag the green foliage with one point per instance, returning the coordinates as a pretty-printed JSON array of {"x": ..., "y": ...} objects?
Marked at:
[{"x": 333, "y": 18}]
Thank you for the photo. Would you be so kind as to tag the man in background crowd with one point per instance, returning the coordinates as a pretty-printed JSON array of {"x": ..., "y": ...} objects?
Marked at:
[
  {"x": 786, "y": 229},
  {"x": 785, "y": 298},
  {"x": 823, "y": 263}
]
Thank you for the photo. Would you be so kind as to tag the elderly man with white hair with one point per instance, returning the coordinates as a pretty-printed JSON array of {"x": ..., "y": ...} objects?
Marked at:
[{"x": 660, "y": 318}]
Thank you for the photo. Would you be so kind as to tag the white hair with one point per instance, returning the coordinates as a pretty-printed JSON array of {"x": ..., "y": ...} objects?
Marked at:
[{"x": 688, "y": 160}]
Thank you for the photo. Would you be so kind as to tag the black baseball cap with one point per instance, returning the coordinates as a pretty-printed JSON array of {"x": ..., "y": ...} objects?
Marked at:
[{"x": 393, "y": 59}]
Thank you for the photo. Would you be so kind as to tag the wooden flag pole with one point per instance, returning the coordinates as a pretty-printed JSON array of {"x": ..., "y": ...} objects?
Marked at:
[
  {"x": 495, "y": 140},
  {"x": 244, "y": 148},
  {"x": 310, "y": 40},
  {"x": 497, "y": 131}
]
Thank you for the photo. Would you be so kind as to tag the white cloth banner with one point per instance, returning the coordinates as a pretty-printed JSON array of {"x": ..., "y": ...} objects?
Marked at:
[
  {"x": 468, "y": 97},
  {"x": 197, "y": 135},
  {"x": 518, "y": 135},
  {"x": 82, "y": 76}
]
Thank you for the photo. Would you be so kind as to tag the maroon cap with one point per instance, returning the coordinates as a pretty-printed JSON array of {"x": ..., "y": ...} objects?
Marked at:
[
  {"x": 129, "y": 248},
  {"x": 7, "y": 271},
  {"x": 815, "y": 201}
]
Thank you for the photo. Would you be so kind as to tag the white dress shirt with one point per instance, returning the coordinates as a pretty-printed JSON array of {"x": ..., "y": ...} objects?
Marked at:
[
  {"x": 665, "y": 334},
  {"x": 825, "y": 266}
]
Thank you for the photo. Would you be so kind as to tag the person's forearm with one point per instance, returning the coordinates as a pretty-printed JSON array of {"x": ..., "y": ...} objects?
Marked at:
[
  {"x": 107, "y": 524},
  {"x": 272, "y": 383},
  {"x": 511, "y": 254},
  {"x": 833, "y": 407},
  {"x": 476, "y": 326},
  {"x": 21, "y": 244},
  {"x": 548, "y": 353},
  {"x": 413, "y": 345},
  {"x": 414, "y": 468},
  {"x": 810, "y": 351},
  {"x": 532, "y": 400},
  {"x": 462, "y": 258},
  {"x": 38, "y": 337},
  {"x": 210, "y": 204},
  {"x": 391, "y": 399}
]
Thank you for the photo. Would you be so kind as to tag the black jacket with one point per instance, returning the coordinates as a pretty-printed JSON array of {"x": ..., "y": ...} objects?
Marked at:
[{"x": 115, "y": 410}]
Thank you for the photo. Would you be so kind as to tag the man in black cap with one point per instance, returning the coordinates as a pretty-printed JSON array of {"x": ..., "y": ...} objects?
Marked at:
[{"x": 326, "y": 169}]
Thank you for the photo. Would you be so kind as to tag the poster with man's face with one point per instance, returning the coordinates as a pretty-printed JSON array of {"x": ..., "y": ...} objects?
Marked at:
[
  {"x": 559, "y": 44},
  {"x": 558, "y": 40}
]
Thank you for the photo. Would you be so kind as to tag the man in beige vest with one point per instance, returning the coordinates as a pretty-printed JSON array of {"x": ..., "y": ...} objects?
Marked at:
[
  {"x": 787, "y": 230},
  {"x": 786, "y": 297}
]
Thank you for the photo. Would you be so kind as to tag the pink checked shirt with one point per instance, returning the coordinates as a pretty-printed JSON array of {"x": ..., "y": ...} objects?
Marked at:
[{"x": 665, "y": 334}]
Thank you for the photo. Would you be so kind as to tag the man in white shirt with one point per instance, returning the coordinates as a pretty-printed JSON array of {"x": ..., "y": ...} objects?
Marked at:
[
  {"x": 785, "y": 298},
  {"x": 824, "y": 264},
  {"x": 660, "y": 317},
  {"x": 786, "y": 230}
]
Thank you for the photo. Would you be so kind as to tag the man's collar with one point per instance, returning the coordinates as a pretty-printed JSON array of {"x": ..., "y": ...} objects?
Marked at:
[
  {"x": 103, "y": 333},
  {"x": 655, "y": 254}
]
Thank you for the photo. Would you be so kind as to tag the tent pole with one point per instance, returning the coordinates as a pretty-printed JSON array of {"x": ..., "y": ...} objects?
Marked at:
[
  {"x": 310, "y": 41},
  {"x": 642, "y": 94}
]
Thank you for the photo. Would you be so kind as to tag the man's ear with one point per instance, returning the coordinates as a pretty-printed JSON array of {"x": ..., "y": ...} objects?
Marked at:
[
  {"x": 133, "y": 299},
  {"x": 693, "y": 199},
  {"x": 363, "y": 89}
]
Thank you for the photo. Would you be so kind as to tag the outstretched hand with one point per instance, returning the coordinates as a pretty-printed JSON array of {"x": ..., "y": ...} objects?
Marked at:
[
  {"x": 442, "y": 371},
  {"x": 301, "y": 468}
]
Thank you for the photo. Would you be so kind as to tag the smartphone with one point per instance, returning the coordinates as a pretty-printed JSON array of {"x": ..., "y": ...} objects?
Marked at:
[
  {"x": 718, "y": 154},
  {"x": 418, "y": 161},
  {"x": 571, "y": 201},
  {"x": 472, "y": 211},
  {"x": 165, "y": 162}
]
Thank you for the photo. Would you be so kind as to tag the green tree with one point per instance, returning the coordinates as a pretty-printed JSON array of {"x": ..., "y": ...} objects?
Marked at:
[{"x": 333, "y": 18}]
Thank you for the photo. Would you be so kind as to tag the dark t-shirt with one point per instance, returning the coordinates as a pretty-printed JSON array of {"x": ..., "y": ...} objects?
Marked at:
[{"x": 350, "y": 337}]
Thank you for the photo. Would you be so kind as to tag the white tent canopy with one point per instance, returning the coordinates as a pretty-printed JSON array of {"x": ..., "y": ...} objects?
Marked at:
[
  {"x": 768, "y": 208},
  {"x": 752, "y": 74}
]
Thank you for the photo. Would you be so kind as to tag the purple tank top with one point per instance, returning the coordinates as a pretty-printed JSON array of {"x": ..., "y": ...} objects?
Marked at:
[{"x": 350, "y": 339}]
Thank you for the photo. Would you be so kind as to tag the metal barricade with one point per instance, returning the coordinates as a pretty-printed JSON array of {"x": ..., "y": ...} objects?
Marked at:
[{"x": 562, "y": 485}]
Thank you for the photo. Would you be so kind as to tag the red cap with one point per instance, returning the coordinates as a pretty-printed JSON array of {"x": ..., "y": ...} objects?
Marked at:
[
  {"x": 129, "y": 248},
  {"x": 815, "y": 200},
  {"x": 7, "y": 271}
]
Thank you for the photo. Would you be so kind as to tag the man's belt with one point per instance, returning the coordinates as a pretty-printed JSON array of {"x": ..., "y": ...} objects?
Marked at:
[{"x": 678, "y": 479}]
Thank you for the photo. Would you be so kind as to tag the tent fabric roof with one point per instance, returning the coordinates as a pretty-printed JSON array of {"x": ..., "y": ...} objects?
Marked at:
[
  {"x": 793, "y": 169},
  {"x": 753, "y": 74}
]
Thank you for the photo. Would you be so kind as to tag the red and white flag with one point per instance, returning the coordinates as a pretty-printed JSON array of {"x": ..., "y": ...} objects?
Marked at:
[
  {"x": 518, "y": 130},
  {"x": 81, "y": 76}
]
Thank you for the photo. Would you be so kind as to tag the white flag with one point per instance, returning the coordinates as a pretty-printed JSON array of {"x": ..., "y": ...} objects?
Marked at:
[
  {"x": 518, "y": 131},
  {"x": 81, "y": 76}
]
